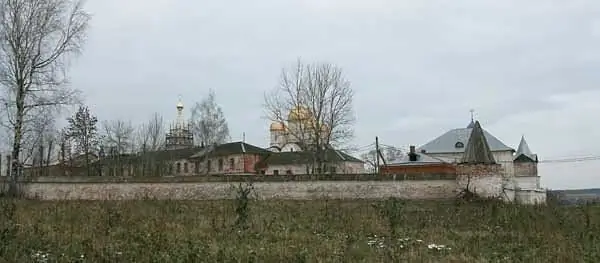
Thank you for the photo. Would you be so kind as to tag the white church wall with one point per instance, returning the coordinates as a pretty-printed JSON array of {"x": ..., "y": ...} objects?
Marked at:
[{"x": 527, "y": 182}]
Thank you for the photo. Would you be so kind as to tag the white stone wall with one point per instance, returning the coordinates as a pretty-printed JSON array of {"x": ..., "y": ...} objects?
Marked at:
[
  {"x": 342, "y": 168},
  {"x": 295, "y": 169},
  {"x": 435, "y": 189},
  {"x": 531, "y": 196},
  {"x": 527, "y": 182},
  {"x": 485, "y": 186}
]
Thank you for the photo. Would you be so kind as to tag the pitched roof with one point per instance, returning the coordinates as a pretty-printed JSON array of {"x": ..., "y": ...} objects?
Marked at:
[
  {"x": 524, "y": 151},
  {"x": 478, "y": 150},
  {"x": 163, "y": 155},
  {"x": 304, "y": 157},
  {"x": 421, "y": 160},
  {"x": 447, "y": 142},
  {"x": 231, "y": 148}
]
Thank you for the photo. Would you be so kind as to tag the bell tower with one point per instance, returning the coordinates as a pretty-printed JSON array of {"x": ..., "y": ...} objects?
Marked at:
[{"x": 180, "y": 133}]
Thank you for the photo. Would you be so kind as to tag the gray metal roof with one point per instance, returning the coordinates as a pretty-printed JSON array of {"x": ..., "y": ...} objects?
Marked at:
[
  {"x": 446, "y": 142},
  {"x": 421, "y": 159},
  {"x": 523, "y": 149}
]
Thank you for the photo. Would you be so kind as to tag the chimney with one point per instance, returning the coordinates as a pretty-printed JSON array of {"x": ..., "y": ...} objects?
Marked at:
[{"x": 412, "y": 155}]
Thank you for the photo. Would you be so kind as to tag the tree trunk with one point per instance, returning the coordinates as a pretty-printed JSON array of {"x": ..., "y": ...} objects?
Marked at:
[{"x": 16, "y": 150}]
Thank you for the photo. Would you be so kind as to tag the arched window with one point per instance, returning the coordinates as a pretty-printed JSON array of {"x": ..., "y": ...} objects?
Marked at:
[
  {"x": 178, "y": 167},
  {"x": 185, "y": 167},
  {"x": 231, "y": 163},
  {"x": 459, "y": 145}
]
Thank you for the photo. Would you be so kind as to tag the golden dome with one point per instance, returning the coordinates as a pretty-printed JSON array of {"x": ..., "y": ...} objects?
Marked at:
[
  {"x": 277, "y": 126},
  {"x": 299, "y": 113}
]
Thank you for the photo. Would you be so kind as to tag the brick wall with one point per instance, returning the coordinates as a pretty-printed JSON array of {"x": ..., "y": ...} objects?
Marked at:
[{"x": 419, "y": 169}]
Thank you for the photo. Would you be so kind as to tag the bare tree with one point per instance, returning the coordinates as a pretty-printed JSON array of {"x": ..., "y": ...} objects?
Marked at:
[
  {"x": 151, "y": 135},
  {"x": 118, "y": 136},
  {"x": 370, "y": 158},
  {"x": 319, "y": 101},
  {"x": 36, "y": 39},
  {"x": 208, "y": 121},
  {"x": 38, "y": 127}
]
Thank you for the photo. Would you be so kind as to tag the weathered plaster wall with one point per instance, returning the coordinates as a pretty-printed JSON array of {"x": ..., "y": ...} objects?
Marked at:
[
  {"x": 485, "y": 180},
  {"x": 437, "y": 189}
]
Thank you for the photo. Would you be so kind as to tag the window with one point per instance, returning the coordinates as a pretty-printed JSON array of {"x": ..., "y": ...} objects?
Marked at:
[
  {"x": 197, "y": 167},
  {"x": 185, "y": 167},
  {"x": 178, "y": 167},
  {"x": 171, "y": 168},
  {"x": 231, "y": 163},
  {"x": 332, "y": 169},
  {"x": 220, "y": 164},
  {"x": 459, "y": 145},
  {"x": 288, "y": 172},
  {"x": 275, "y": 172},
  {"x": 208, "y": 166}
]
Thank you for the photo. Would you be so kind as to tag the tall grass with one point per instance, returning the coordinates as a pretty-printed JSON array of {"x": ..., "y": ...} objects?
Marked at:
[{"x": 295, "y": 231}]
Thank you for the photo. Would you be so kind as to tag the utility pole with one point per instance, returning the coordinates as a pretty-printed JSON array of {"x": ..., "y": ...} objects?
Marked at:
[{"x": 377, "y": 155}]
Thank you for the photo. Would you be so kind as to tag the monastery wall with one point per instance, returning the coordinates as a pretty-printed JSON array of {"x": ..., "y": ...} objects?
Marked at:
[{"x": 207, "y": 188}]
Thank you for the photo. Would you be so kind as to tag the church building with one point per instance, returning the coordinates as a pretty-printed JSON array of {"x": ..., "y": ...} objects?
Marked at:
[
  {"x": 456, "y": 152},
  {"x": 292, "y": 147}
]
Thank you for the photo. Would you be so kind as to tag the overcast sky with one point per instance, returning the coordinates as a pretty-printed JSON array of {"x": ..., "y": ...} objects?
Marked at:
[{"x": 527, "y": 67}]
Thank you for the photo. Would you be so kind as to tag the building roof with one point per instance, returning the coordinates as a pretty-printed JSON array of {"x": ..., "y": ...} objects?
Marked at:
[
  {"x": 229, "y": 149},
  {"x": 304, "y": 157},
  {"x": 447, "y": 142},
  {"x": 478, "y": 150},
  {"x": 422, "y": 159},
  {"x": 163, "y": 155},
  {"x": 524, "y": 151}
]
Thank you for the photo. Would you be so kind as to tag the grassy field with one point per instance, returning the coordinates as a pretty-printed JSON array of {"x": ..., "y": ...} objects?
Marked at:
[{"x": 295, "y": 231}]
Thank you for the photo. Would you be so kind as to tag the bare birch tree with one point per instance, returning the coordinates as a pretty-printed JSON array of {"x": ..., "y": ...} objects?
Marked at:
[
  {"x": 36, "y": 39},
  {"x": 118, "y": 136},
  {"x": 321, "y": 100},
  {"x": 209, "y": 124},
  {"x": 151, "y": 135}
]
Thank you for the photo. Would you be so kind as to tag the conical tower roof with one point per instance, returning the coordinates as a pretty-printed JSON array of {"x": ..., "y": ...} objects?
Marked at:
[
  {"x": 478, "y": 150},
  {"x": 523, "y": 147}
]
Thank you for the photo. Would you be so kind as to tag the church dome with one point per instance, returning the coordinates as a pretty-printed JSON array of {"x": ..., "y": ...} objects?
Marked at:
[
  {"x": 277, "y": 126},
  {"x": 299, "y": 113}
]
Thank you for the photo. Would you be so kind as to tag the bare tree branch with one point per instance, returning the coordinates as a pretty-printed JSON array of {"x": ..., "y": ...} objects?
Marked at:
[
  {"x": 208, "y": 122},
  {"x": 118, "y": 136},
  {"x": 37, "y": 38},
  {"x": 151, "y": 135},
  {"x": 314, "y": 101}
]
